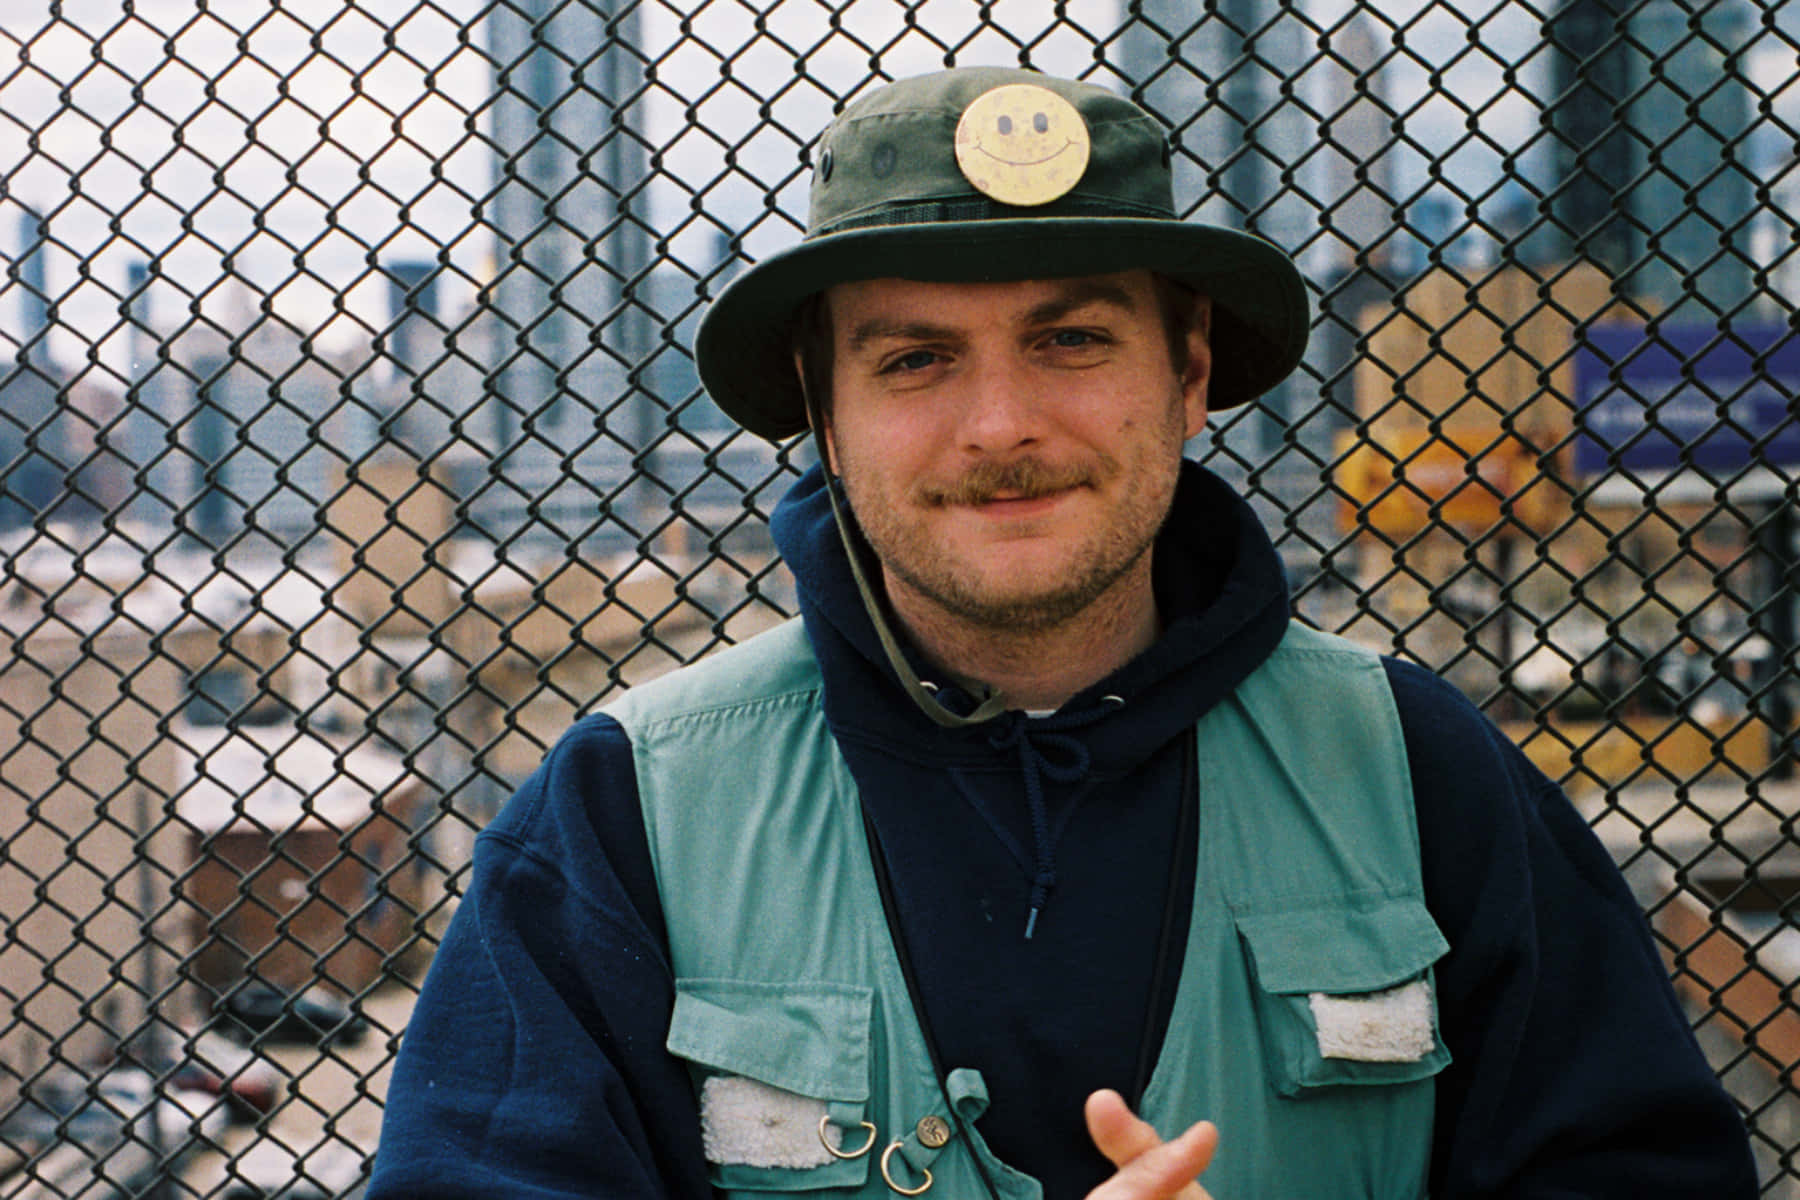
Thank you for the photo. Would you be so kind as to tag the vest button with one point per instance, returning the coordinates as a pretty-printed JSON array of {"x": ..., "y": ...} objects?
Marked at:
[{"x": 934, "y": 1132}]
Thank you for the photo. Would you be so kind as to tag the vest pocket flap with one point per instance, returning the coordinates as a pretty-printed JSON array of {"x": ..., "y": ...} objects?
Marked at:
[
  {"x": 1346, "y": 995},
  {"x": 1360, "y": 948},
  {"x": 807, "y": 1038}
]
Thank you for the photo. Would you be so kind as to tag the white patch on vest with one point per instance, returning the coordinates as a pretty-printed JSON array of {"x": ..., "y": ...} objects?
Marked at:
[
  {"x": 752, "y": 1124},
  {"x": 1390, "y": 1026}
]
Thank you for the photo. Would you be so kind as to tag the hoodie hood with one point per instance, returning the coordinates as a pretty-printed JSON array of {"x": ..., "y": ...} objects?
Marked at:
[{"x": 1220, "y": 591}]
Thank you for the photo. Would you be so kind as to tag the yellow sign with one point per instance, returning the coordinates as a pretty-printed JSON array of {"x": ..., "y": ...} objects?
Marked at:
[
  {"x": 1022, "y": 144},
  {"x": 1468, "y": 482}
]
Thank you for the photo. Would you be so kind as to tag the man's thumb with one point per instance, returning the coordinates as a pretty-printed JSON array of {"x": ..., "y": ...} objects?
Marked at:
[{"x": 1118, "y": 1133}]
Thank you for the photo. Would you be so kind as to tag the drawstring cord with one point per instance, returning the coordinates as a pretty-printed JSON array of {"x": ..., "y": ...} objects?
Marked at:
[
  {"x": 989, "y": 703},
  {"x": 1041, "y": 743}
]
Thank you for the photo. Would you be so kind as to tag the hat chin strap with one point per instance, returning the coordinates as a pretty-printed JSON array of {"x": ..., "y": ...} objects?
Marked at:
[{"x": 991, "y": 704}]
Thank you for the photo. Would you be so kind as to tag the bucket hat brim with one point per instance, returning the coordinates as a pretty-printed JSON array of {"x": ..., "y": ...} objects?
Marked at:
[{"x": 744, "y": 345}]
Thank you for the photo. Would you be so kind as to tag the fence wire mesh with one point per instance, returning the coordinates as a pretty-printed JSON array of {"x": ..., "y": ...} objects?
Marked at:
[{"x": 351, "y": 444}]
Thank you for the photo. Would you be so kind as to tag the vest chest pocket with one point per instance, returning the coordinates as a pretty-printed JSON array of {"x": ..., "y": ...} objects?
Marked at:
[
  {"x": 1345, "y": 994},
  {"x": 782, "y": 1074}
]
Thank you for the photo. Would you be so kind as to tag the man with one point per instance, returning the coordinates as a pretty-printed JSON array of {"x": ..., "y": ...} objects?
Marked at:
[{"x": 1046, "y": 856}]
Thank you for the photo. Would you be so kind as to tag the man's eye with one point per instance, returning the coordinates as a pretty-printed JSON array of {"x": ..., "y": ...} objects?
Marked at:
[
  {"x": 1073, "y": 339},
  {"x": 913, "y": 360}
]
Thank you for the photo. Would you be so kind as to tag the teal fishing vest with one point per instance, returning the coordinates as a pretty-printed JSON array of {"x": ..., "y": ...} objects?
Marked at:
[{"x": 1305, "y": 1018}]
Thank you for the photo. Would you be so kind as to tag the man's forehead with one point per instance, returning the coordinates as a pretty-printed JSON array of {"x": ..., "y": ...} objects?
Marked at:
[{"x": 1022, "y": 300}]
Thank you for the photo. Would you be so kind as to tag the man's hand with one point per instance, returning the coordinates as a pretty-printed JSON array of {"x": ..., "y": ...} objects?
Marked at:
[{"x": 1149, "y": 1168}]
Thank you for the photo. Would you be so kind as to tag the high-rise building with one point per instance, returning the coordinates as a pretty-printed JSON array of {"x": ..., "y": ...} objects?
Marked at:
[
  {"x": 1357, "y": 154},
  {"x": 412, "y": 395},
  {"x": 1652, "y": 174},
  {"x": 565, "y": 413},
  {"x": 1220, "y": 75},
  {"x": 1216, "y": 75},
  {"x": 1359, "y": 256},
  {"x": 248, "y": 408},
  {"x": 33, "y": 447},
  {"x": 172, "y": 444}
]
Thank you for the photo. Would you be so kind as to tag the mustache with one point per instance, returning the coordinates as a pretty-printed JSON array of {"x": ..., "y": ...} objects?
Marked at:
[{"x": 1024, "y": 479}]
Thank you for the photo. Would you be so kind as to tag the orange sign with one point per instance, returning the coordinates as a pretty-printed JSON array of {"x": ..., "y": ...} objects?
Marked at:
[{"x": 1418, "y": 479}]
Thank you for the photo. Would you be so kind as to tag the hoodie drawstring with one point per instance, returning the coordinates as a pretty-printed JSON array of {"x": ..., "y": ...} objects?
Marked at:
[{"x": 1046, "y": 751}]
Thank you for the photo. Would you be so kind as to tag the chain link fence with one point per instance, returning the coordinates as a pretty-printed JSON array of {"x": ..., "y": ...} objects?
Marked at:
[{"x": 350, "y": 445}]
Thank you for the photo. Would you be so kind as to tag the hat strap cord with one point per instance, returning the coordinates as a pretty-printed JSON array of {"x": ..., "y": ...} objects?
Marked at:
[{"x": 990, "y": 704}]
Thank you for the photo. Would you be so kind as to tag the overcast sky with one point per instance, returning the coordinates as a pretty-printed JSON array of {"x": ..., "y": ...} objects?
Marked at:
[{"x": 348, "y": 131}]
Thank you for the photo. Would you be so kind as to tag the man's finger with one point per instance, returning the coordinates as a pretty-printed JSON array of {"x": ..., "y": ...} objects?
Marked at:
[
  {"x": 1148, "y": 1167},
  {"x": 1118, "y": 1133}
]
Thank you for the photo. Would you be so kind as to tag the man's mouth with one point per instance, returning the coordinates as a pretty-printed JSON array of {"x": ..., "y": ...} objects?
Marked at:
[
  {"x": 1001, "y": 506},
  {"x": 1013, "y": 484}
]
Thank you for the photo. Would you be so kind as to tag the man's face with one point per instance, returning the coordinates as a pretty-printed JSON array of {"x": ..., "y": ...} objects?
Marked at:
[{"x": 1010, "y": 449}]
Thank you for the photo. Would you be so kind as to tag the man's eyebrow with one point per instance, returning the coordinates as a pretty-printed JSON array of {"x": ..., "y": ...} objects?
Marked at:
[
  {"x": 880, "y": 329},
  {"x": 1079, "y": 295},
  {"x": 1076, "y": 295}
]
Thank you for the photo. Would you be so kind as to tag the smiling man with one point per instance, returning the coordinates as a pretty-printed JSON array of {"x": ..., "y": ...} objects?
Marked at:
[
  {"x": 1046, "y": 856},
  {"x": 1010, "y": 450}
]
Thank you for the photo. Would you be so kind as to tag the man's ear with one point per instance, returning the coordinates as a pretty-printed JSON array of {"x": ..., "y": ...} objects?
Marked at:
[{"x": 1198, "y": 375}]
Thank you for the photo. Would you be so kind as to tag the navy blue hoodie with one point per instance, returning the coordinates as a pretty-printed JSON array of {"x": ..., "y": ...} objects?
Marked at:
[{"x": 534, "y": 1063}]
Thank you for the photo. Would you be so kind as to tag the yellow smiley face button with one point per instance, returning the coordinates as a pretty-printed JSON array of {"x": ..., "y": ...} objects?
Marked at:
[{"x": 1022, "y": 144}]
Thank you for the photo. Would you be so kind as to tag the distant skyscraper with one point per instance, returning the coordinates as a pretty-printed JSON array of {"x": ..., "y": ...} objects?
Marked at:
[
  {"x": 33, "y": 448},
  {"x": 1216, "y": 74},
  {"x": 412, "y": 316},
  {"x": 225, "y": 394},
  {"x": 572, "y": 249},
  {"x": 33, "y": 288},
  {"x": 227, "y": 427},
  {"x": 1358, "y": 255},
  {"x": 1432, "y": 219},
  {"x": 1356, "y": 155},
  {"x": 1652, "y": 174},
  {"x": 408, "y": 408},
  {"x": 156, "y": 397}
]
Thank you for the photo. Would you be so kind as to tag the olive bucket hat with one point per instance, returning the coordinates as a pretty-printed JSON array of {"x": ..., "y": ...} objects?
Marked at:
[{"x": 988, "y": 174}]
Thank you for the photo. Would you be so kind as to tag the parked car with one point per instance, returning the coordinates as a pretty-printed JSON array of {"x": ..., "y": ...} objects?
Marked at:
[
  {"x": 256, "y": 1010},
  {"x": 103, "y": 1135},
  {"x": 212, "y": 1063}
]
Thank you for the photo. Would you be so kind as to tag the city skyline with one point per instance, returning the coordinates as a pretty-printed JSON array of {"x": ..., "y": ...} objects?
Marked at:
[
  {"x": 298, "y": 174},
  {"x": 362, "y": 193}
]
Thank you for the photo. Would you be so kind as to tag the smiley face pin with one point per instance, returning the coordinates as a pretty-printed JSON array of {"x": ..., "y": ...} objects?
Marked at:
[{"x": 1022, "y": 144}]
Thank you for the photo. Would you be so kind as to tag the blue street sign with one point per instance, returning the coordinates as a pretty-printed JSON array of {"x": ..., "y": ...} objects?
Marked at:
[{"x": 1690, "y": 396}]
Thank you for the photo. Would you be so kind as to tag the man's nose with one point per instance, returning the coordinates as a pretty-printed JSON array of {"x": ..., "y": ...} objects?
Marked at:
[{"x": 1002, "y": 410}]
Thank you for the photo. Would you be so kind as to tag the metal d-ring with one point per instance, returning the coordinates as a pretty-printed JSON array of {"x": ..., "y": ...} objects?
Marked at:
[
  {"x": 888, "y": 1175},
  {"x": 832, "y": 1150}
]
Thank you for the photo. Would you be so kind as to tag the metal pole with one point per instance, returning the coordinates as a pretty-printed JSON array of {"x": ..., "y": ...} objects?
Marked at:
[
  {"x": 150, "y": 1038},
  {"x": 1779, "y": 542}
]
